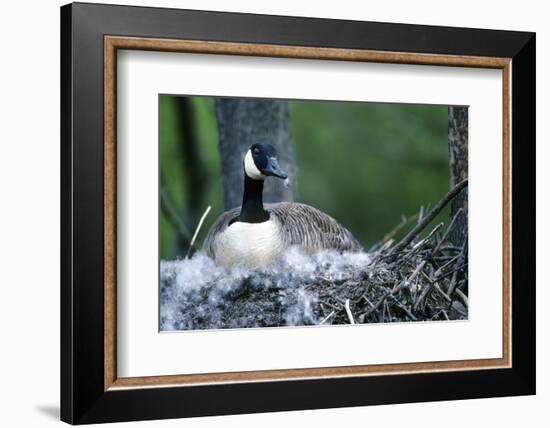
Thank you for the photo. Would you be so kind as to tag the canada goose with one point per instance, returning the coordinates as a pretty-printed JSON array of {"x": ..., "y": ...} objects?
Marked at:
[{"x": 252, "y": 235}]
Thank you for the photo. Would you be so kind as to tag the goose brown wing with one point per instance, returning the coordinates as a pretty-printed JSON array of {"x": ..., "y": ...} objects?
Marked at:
[{"x": 311, "y": 228}]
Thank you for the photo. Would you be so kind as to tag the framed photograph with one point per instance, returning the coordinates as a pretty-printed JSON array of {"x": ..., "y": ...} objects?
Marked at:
[{"x": 266, "y": 213}]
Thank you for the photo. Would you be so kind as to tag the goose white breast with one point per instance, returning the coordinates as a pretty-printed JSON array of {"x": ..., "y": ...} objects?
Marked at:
[{"x": 248, "y": 244}]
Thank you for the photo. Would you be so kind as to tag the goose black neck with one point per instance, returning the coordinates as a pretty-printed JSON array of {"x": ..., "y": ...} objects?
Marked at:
[{"x": 252, "y": 210}]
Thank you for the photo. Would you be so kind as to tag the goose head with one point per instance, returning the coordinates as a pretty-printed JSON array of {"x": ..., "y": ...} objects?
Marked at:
[{"x": 260, "y": 162}]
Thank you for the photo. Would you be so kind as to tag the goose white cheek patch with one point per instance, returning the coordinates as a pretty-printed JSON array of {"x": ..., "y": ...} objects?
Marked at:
[{"x": 251, "y": 169}]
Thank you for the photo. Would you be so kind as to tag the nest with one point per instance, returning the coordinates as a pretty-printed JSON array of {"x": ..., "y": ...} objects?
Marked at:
[
  {"x": 415, "y": 284},
  {"x": 423, "y": 277}
]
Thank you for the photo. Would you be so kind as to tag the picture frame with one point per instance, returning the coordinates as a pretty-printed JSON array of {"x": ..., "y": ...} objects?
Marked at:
[{"x": 91, "y": 390}]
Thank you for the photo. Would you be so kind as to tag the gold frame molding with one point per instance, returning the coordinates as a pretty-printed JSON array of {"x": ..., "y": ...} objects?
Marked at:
[{"x": 113, "y": 43}]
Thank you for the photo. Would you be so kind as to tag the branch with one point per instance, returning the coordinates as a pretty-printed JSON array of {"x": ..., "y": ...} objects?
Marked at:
[{"x": 429, "y": 217}]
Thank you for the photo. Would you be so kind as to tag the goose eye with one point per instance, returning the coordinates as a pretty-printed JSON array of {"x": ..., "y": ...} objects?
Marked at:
[{"x": 256, "y": 151}]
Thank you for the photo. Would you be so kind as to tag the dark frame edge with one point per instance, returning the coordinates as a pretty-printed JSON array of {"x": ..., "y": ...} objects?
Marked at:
[
  {"x": 83, "y": 399},
  {"x": 66, "y": 130},
  {"x": 523, "y": 219}
]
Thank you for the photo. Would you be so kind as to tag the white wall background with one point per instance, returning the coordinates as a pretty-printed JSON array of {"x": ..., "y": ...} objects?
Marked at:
[{"x": 29, "y": 212}]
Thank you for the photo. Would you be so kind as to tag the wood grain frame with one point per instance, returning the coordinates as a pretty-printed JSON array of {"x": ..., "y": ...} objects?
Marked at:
[
  {"x": 90, "y": 36},
  {"x": 114, "y": 43}
]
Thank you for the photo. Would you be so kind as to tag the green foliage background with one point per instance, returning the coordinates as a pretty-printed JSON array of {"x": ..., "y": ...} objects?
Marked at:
[{"x": 365, "y": 164}]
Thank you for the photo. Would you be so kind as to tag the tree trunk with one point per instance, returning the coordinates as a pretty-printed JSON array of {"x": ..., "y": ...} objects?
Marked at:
[
  {"x": 193, "y": 166},
  {"x": 458, "y": 162},
  {"x": 243, "y": 122}
]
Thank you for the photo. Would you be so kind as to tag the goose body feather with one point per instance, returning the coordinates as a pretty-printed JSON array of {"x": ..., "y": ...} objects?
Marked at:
[{"x": 233, "y": 243}]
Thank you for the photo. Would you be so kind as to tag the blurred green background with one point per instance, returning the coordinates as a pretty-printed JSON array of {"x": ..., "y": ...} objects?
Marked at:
[{"x": 367, "y": 165}]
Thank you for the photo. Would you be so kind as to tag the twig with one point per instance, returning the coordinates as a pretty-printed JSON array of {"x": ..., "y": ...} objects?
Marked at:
[
  {"x": 404, "y": 309},
  {"x": 410, "y": 278},
  {"x": 393, "y": 232},
  {"x": 419, "y": 245},
  {"x": 444, "y": 237},
  {"x": 437, "y": 275},
  {"x": 348, "y": 311},
  {"x": 451, "y": 272},
  {"x": 201, "y": 221},
  {"x": 463, "y": 298},
  {"x": 388, "y": 311},
  {"x": 440, "y": 291},
  {"x": 429, "y": 217},
  {"x": 421, "y": 214},
  {"x": 418, "y": 269},
  {"x": 458, "y": 266},
  {"x": 325, "y": 319},
  {"x": 422, "y": 296},
  {"x": 464, "y": 314},
  {"x": 368, "y": 301},
  {"x": 427, "y": 238},
  {"x": 363, "y": 316},
  {"x": 330, "y": 305}
]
